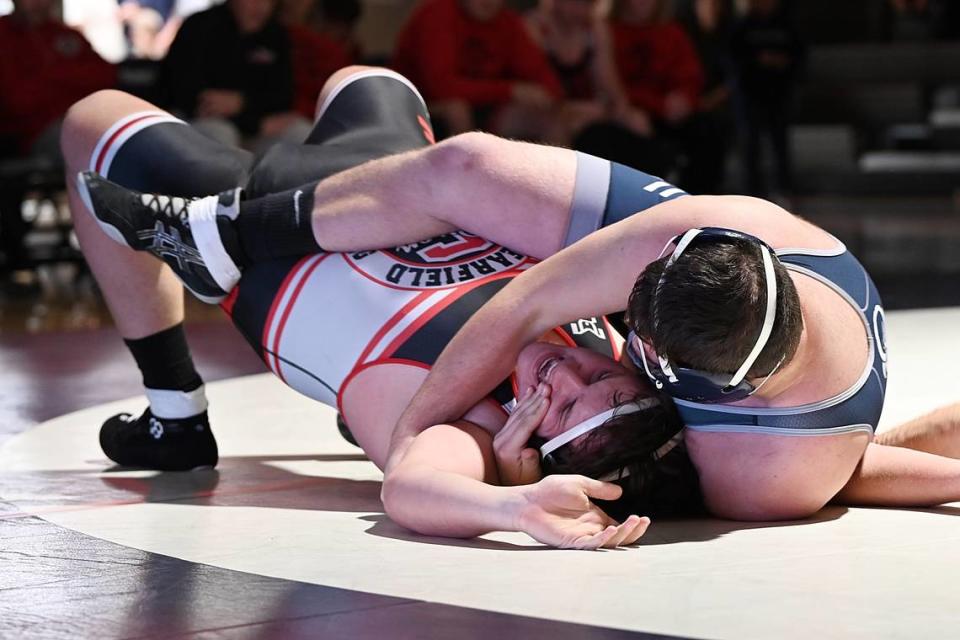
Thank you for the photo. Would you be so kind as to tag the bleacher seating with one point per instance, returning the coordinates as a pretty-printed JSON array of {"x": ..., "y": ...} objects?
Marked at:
[{"x": 877, "y": 99}]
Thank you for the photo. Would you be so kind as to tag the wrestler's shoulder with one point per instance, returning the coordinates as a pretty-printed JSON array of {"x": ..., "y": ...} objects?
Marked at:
[{"x": 762, "y": 218}]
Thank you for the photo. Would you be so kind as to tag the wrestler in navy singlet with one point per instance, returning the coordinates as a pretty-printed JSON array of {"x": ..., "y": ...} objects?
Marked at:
[{"x": 855, "y": 409}]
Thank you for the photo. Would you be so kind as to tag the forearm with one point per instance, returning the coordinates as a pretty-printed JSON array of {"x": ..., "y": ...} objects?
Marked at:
[
  {"x": 444, "y": 485},
  {"x": 512, "y": 193},
  {"x": 898, "y": 477},
  {"x": 437, "y": 503},
  {"x": 936, "y": 432}
]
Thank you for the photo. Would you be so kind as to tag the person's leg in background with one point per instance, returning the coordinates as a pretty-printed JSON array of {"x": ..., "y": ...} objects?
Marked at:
[
  {"x": 753, "y": 128},
  {"x": 136, "y": 144},
  {"x": 704, "y": 139},
  {"x": 779, "y": 122}
]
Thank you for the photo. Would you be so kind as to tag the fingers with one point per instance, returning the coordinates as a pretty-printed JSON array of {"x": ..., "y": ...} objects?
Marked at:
[
  {"x": 612, "y": 536},
  {"x": 642, "y": 525},
  {"x": 596, "y": 540},
  {"x": 600, "y": 490},
  {"x": 524, "y": 420},
  {"x": 628, "y": 532}
]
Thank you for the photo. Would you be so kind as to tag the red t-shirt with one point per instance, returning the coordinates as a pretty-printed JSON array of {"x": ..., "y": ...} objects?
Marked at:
[
  {"x": 315, "y": 58},
  {"x": 450, "y": 56},
  {"x": 43, "y": 70},
  {"x": 654, "y": 61}
]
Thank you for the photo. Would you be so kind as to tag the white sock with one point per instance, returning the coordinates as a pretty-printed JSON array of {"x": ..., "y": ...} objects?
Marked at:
[
  {"x": 175, "y": 405},
  {"x": 203, "y": 224}
]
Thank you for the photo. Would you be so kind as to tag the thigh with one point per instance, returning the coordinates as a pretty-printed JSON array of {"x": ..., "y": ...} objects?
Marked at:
[
  {"x": 165, "y": 155},
  {"x": 368, "y": 115},
  {"x": 135, "y": 144}
]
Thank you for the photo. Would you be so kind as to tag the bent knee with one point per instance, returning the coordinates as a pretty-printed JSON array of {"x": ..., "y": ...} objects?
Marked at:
[
  {"x": 338, "y": 77},
  {"x": 84, "y": 109},
  {"x": 466, "y": 151},
  {"x": 85, "y": 120}
]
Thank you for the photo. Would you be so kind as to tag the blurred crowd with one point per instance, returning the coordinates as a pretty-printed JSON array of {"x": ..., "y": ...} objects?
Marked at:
[{"x": 668, "y": 87}]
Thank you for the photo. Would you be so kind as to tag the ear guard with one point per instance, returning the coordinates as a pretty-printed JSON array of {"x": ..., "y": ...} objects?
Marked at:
[{"x": 702, "y": 386}]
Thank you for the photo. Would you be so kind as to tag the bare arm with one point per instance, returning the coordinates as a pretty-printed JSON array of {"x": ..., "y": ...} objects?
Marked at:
[
  {"x": 441, "y": 489},
  {"x": 513, "y": 193},
  {"x": 458, "y": 485},
  {"x": 769, "y": 477},
  {"x": 935, "y": 432},
  {"x": 898, "y": 477}
]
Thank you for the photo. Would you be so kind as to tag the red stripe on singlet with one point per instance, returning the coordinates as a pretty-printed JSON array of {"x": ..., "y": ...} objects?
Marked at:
[
  {"x": 431, "y": 313},
  {"x": 230, "y": 301},
  {"x": 98, "y": 165},
  {"x": 565, "y": 337},
  {"x": 613, "y": 343},
  {"x": 390, "y": 324},
  {"x": 265, "y": 338},
  {"x": 289, "y": 308}
]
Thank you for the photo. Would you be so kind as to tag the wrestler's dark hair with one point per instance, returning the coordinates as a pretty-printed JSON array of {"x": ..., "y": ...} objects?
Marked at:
[
  {"x": 709, "y": 309},
  {"x": 625, "y": 447}
]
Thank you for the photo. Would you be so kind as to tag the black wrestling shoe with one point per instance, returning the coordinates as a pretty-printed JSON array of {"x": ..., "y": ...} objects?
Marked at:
[
  {"x": 180, "y": 231},
  {"x": 345, "y": 431},
  {"x": 159, "y": 443}
]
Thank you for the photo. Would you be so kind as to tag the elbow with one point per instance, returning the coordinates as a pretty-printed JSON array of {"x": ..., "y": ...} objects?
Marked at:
[
  {"x": 462, "y": 153},
  {"x": 388, "y": 496},
  {"x": 392, "y": 498}
]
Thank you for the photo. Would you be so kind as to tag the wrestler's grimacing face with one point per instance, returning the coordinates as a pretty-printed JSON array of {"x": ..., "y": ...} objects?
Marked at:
[{"x": 582, "y": 384}]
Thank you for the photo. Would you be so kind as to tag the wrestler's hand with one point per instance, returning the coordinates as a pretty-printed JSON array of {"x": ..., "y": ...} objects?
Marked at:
[
  {"x": 517, "y": 463},
  {"x": 557, "y": 511}
]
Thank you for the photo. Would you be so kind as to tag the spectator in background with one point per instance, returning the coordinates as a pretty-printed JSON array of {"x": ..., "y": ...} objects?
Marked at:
[
  {"x": 45, "y": 67},
  {"x": 663, "y": 77},
  {"x": 576, "y": 39},
  {"x": 149, "y": 26},
  {"x": 230, "y": 70},
  {"x": 338, "y": 21},
  {"x": 768, "y": 53},
  {"x": 315, "y": 56},
  {"x": 478, "y": 68},
  {"x": 708, "y": 23}
]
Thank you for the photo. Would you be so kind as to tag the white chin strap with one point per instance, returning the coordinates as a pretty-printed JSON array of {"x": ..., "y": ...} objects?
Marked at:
[{"x": 590, "y": 424}]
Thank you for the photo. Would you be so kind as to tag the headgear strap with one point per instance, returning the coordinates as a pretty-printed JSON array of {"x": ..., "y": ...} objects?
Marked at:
[{"x": 596, "y": 421}]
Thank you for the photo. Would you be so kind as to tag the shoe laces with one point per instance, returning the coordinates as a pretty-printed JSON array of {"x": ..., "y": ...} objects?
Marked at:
[{"x": 168, "y": 206}]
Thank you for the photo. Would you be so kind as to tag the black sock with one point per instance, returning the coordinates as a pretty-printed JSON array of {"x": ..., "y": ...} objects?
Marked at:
[
  {"x": 276, "y": 226},
  {"x": 164, "y": 360}
]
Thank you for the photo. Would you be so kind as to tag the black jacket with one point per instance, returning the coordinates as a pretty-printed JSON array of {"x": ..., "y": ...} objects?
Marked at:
[{"x": 209, "y": 53}]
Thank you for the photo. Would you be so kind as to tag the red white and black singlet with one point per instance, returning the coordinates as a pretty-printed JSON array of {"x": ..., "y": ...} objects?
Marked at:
[{"x": 319, "y": 320}]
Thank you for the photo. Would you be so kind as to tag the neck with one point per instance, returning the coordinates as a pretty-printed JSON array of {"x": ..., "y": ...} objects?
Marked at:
[{"x": 788, "y": 376}]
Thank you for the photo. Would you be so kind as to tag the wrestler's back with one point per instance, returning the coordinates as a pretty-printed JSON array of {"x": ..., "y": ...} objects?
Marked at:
[{"x": 836, "y": 327}]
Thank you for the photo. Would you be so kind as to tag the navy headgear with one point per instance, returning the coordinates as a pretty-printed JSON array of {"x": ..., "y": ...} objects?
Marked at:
[{"x": 702, "y": 386}]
